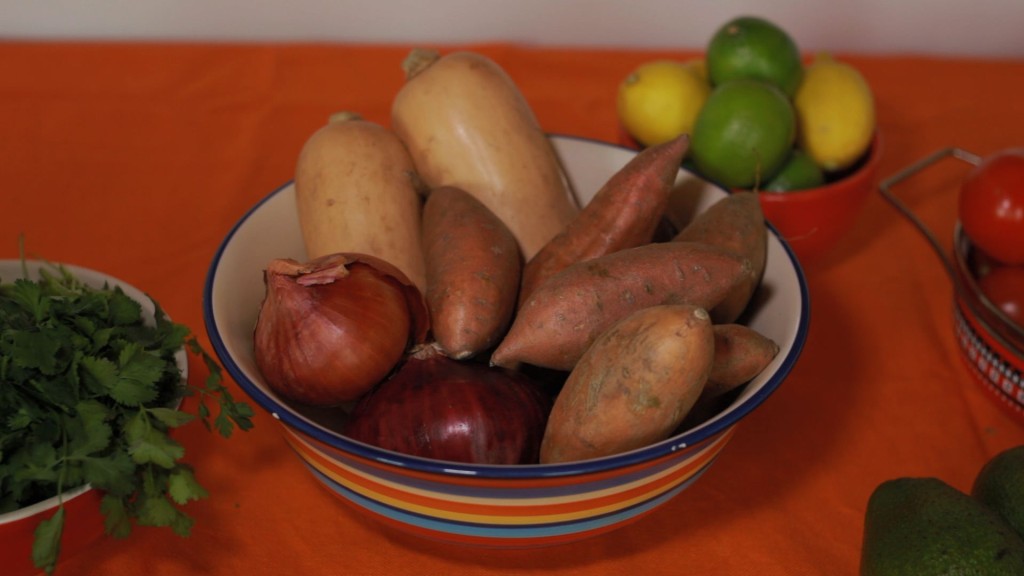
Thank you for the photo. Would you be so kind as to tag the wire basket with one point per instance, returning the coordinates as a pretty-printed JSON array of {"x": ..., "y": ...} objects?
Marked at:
[{"x": 992, "y": 344}]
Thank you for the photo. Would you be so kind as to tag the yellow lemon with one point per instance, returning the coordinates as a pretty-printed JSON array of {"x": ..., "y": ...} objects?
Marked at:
[
  {"x": 835, "y": 113},
  {"x": 659, "y": 100}
]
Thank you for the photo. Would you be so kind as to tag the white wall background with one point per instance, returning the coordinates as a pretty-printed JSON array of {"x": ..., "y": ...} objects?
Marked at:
[{"x": 940, "y": 27}]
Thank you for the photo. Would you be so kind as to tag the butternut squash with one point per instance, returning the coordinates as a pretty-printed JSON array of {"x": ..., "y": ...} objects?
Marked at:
[
  {"x": 356, "y": 191},
  {"x": 467, "y": 125}
]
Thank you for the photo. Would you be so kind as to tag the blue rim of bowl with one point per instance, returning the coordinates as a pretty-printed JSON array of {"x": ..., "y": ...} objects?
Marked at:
[{"x": 289, "y": 417}]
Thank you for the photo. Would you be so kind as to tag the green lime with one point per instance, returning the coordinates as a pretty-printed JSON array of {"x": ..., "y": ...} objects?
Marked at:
[
  {"x": 798, "y": 172},
  {"x": 743, "y": 133},
  {"x": 752, "y": 47}
]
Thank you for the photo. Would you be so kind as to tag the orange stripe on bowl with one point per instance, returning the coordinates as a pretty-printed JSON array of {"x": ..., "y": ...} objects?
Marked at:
[{"x": 521, "y": 511}]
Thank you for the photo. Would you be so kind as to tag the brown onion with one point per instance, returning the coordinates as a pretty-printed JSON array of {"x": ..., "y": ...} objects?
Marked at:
[
  {"x": 460, "y": 411},
  {"x": 329, "y": 329}
]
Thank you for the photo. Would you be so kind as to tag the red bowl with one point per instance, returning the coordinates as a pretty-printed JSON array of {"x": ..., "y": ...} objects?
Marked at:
[
  {"x": 82, "y": 528},
  {"x": 814, "y": 220}
]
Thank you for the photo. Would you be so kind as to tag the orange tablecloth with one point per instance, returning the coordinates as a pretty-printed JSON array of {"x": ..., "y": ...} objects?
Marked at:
[{"x": 136, "y": 159}]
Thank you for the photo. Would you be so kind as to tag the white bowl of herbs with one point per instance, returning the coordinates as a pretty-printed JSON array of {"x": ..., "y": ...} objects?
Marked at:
[{"x": 92, "y": 380}]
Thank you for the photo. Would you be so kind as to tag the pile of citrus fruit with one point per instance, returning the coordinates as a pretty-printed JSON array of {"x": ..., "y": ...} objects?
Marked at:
[{"x": 758, "y": 116}]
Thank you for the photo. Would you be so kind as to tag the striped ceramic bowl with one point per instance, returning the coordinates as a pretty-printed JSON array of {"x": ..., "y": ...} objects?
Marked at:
[{"x": 505, "y": 506}]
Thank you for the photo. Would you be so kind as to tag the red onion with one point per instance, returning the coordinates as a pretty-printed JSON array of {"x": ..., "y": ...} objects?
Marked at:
[
  {"x": 440, "y": 408},
  {"x": 330, "y": 329}
]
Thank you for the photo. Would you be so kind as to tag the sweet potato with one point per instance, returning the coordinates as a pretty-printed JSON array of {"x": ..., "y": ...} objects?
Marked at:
[
  {"x": 566, "y": 313},
  {"x": 473, "y": 271},
  {"x": 624, "y": 213},
  {"x": 633, "y": 386},
  {"x": 466, "y": 124},
  {"x": 735, "y": 223},
  {"x": 740, "y": 354}
]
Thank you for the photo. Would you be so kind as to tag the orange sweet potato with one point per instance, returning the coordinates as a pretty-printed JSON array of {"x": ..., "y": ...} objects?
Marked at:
[
  {"x": 567, "y": 313},
  {"x": 633, "y": 386},
  {"x": 624, "y": 213},
  {"x": 473, "y": 268},
  {"x": 735, "y": 223},
  {"x": 740, "y": 354}
]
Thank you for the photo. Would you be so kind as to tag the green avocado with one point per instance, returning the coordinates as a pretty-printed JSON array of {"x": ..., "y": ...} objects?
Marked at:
[
  {"x": 1000, "y": 486},
  {"x": 925, "y": 527}
]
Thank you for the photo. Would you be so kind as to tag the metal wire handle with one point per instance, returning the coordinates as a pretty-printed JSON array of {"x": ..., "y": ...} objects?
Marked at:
[
  {"x": 888, "y": 183},
  {"x": 999, "y": 325}
]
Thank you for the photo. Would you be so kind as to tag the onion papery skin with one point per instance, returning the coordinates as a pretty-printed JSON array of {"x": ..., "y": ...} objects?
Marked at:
[
  {"x": 444, "y": 409},
  {"x": 331, "y": 329}
]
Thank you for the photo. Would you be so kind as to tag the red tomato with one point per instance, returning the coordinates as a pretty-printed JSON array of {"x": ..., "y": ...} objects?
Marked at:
[
  {"x": 992, "y": 206},
  {"x": 1004, "y": 287}
]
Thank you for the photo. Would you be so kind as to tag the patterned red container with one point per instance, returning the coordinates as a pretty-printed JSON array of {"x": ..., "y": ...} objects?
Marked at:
[{"x": 992, "y": 345}]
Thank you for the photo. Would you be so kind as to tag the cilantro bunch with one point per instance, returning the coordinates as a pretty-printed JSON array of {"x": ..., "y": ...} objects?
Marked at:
[{"x": 89, "y": 392}]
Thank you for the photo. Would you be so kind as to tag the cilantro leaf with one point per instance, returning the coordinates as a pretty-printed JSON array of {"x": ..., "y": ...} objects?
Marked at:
[
  {"x": 182, "y": 524},
  {"x": 183, "y": 487},
  {"x": 101, "y": 339},
  {"x": 231, "y": 413},
  {"x": 138, "y": 373},
  {"x": 149, "y": 445},
  {"x": 100, "y": 374},
  {"x": 156, "y": 510},
  {"x": 113, "y": 473},
  {"x": 123, "y": 310},
  {"x": 46, "y": 545},
  {"x": 170, "y": 417},
  {"x": 36, "y": 463},
  {"x": 171, "y": 334},
  {"x": 19, "y": 419},
  {"x": 29, "y": 296},
  {"x": 36, "y": 349},
  {"x": 56, "y": 391},
  {"x": 116, "y": 518},
  {"x": 92, "y": 433}
]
